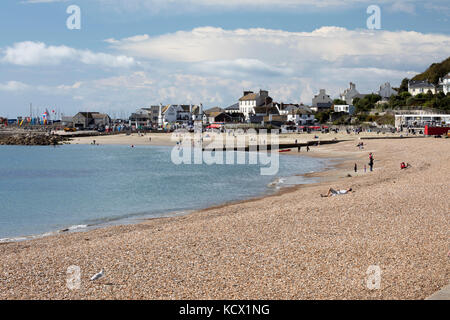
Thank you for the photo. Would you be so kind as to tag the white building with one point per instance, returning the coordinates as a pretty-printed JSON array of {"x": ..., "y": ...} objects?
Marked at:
[
  {"x": 233, "y": 108},
  {"x": 301, "y": 117},
  {"x": 250, "y": 100},
  {"x": 386, "y": 91},
  {"x": 286, "y": 108},
  {"x": 351, "y": 93},
  {"x": 179, "y": 113},
  {"x": 421, "y": 120},
  {"x": 417, "y": 87},
  {"x": 321, "y": 101},
  {"x": 344, "y": 108},
  {"x": 445, "y": 83}
]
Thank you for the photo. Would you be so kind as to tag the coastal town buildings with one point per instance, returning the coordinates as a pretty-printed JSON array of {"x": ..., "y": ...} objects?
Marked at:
[
  {"x": 259, "y": 108},
  {"x": 418, "y": 87},
  {"x": 445, "y": 83},
  {"x": 351, "y": 93},
  {"x": 301, "y": 117},
  {"x": 386, "y": 91},
  {"x": 321, "y": 101},
  {"x": 85, "y": 120},
  {"x": 234, "y": 108},
  {"x": 210, "y": 114},
  {"x": 174, "y": 113},
  {"x": 143, "y": 117},
  {"x": 250, "y": 100},
  {"x": 420, "y": 120},
  {"x": 286, "y": 108},
  {"x": 346, "y": 108}
]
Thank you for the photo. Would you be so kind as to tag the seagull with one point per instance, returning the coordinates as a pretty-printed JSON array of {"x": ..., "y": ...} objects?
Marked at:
[{"x": 98, "y": 275}]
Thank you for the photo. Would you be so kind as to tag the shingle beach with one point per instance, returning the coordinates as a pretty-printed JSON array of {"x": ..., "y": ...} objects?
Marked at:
[{"x": 292, "y": 245}]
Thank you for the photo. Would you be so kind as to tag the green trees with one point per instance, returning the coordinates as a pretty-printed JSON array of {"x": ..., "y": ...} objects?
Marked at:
[
  {"x": 339, "y": 102},
  {"x": 367, "y": 103},
  {"x": 428, "y": 100},
  {"x": 435, "y": 71},
  {"x": 403, "y": 86},
  {"x": 323, "y": 116}
]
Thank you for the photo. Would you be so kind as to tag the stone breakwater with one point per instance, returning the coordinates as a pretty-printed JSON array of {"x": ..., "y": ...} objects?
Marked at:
[{"x": 32, "y": 139}]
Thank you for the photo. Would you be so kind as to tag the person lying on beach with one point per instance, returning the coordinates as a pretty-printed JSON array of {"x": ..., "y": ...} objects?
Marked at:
[{"x": 333, "y": 192}]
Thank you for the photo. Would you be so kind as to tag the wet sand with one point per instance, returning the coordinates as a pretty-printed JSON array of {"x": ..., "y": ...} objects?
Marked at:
[{"x": 292, "y": 245}]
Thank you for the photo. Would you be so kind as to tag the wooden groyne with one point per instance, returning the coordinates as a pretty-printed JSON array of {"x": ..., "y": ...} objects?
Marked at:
[{"x": 279, "y": 147}]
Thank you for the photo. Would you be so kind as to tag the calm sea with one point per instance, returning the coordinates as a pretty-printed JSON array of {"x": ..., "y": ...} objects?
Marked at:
[{"x": 46, "y": 189}]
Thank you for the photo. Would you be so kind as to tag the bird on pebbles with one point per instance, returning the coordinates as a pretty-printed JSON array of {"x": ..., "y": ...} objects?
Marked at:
[{"x": 98, "y": 275}]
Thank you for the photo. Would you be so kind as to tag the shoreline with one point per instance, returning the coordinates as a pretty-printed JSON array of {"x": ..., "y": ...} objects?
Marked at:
[
  {"x": 79, "y": 228},
  {"x": 293, "y": 245}
]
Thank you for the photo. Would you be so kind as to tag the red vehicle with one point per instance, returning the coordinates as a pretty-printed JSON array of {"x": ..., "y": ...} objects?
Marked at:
[{"x": 436, "y": 131}]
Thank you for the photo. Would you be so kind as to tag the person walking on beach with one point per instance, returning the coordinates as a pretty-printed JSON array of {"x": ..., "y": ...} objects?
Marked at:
[
  {"x": 356, "y": 167},
  {"x": 371, "y": 161},
  {"x": 307, "y": 148}
]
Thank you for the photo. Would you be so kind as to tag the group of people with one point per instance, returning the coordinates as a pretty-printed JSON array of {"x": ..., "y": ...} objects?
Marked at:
[
  {"x": 332, "y": 192},
  {"x": 370, "y": 164}
]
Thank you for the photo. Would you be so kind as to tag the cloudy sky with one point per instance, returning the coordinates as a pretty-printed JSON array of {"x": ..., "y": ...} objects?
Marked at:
[{"x": 135, "y": 53}]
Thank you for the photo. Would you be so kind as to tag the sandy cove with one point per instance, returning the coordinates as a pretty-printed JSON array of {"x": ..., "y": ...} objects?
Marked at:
[
  {"x": 169, "y": 139},
  {"x": 294, "y": 245}
]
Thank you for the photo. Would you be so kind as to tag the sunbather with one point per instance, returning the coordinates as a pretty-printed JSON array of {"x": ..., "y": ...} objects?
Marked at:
[{"x": 333, "y": 192}]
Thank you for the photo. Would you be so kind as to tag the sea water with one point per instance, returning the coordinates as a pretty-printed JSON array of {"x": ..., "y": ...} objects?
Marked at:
[{"x": 46, "y": 189}]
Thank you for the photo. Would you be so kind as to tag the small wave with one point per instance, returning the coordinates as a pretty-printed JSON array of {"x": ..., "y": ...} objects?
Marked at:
[
  {"x": 75, "y": 227},
  {"x": 277, "y": 182},
  {"x": 24, "y": 238}
]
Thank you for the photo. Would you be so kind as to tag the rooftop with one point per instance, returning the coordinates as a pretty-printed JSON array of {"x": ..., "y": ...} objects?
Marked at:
[{"x": 420, "y": 84}]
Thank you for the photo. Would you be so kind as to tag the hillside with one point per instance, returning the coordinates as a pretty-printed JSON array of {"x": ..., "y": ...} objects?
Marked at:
[{"x": 435, "y": 71}]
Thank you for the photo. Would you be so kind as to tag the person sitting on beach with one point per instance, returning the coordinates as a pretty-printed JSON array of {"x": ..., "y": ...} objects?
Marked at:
[
  {"x": 333, "y": 192},
  {"x": 404, "y": 166}
]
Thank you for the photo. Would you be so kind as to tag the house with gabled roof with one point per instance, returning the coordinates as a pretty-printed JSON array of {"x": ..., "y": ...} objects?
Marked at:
[
  {"x": 321, "y": 101},
  {"x": 351, "y": 93},
  {"x": 84, "y": 120},
  {"x": 416, "y": 87},
  {"x": 250, "y": 100},
  {"x": 386, "y": 91},
  {"x": 179, "y": 113},
  {"x": 234, "y": 108}
]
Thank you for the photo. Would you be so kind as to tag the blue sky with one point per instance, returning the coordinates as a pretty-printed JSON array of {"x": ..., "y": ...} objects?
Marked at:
[{"x": 135, "y": 53}]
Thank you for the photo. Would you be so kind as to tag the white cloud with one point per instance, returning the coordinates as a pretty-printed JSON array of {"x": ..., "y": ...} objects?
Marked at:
[
  {"x": 212, "y": 66},
  {"x": 13, "y": 86},
  {"x": 406, "y": 7},
  {"x": 240, "y": 68},
  {"x": 76, "y": 85},
  {"x": 30, "y": 53},
  {"x": 282, "y": 50}
]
